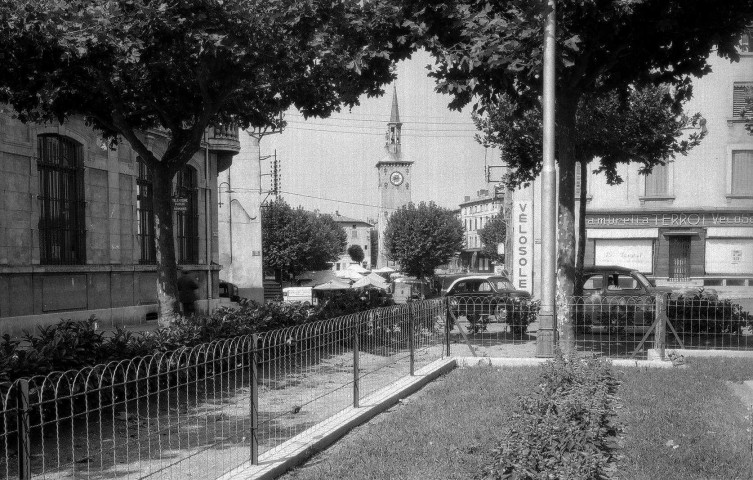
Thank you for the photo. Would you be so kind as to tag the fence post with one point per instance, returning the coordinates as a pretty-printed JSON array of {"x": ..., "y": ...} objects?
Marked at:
[
  {"x": 447, "y": 316},
  {"x": 660, "y": 335},
  {"x": 356, "y": 393},
  {"x": 24, "y": 443},
  {"x": 254, "y": 401},
  {"x": 411, "y": 346}
]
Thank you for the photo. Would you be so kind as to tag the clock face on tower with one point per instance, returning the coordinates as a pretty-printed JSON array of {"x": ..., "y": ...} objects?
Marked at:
[{"x": 396, "y": 178}]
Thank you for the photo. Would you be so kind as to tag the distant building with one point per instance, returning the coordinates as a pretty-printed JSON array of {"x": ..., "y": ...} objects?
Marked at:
[
  {"x": 394, "y": 178},
  {"x": 358, "y": 233},
  {"x": 77, "y": 232},
  {"x": 687, "y": 224},
  {"x": 475, "y": 213}
]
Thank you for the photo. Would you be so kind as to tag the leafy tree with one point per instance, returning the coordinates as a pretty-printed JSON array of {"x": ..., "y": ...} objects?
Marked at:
[
  {"x": 180, "y": 66},
  {"x": 493, "y": 233},
  {"x": 645, "y": 126},
  {"x": 295, "y": 240},
  {"x": 485, "y": 50},
  {"x": 421, "y": 238},
  {"x": 356, "y": 253}
]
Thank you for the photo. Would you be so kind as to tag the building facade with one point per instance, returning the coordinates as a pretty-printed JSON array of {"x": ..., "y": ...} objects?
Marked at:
[
  {"x": 475, "y": 213},
  {"x": 77, "y": 227},
  {"x": 687, "y": 224},
  {"x": 394, "y": 178},
  {"x": 358, "y": 233}
]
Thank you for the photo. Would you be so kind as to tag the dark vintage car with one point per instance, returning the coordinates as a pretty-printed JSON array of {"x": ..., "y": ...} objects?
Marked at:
[
  {"x": 489, "y": 298},
  {"x": 616, "y": 299}
]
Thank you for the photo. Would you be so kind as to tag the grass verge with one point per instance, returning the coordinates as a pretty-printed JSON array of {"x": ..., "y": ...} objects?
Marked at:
[{"x": 681, "y": 423}]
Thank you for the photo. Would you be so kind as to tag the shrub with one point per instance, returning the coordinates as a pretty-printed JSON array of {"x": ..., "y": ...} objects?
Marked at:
[
  {"x": 562, "y": 430},
  {"x": 702, "y": 311}
]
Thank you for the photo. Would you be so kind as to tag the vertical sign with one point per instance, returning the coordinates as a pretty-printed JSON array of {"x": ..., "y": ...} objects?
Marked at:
[{"x": 522, "y": 252}]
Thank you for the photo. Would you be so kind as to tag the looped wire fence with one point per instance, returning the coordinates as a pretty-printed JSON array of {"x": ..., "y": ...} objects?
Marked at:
[{"x": 202, "y": 411}]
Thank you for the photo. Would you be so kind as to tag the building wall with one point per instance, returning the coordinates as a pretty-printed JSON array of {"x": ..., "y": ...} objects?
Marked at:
[
  {"x": 392, "y": 196},
  {"x": 475, "y": 213},
  {"x": 358, "y": 233},
  {"x": 626, "y": 226},
  {"x": 240, "y": 230},
  {"x": 111, "y": 283}
]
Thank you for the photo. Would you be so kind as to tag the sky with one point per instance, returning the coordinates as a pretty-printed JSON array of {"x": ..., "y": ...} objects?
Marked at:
[{"x": 329, "y": 164}]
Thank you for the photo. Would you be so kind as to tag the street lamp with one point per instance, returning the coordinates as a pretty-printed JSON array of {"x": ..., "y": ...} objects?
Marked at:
[{"x": 219, "y": 188}]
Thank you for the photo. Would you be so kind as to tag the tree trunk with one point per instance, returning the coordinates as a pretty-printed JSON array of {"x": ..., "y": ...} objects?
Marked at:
[
  {"x": 167, "y": 275},
  {"x": 581, "y": 255},
  {"x": 566, "y": 109}
]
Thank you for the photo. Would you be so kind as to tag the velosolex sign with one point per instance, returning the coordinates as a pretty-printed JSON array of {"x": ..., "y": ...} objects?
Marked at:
[{"x": 522, "y": 252}]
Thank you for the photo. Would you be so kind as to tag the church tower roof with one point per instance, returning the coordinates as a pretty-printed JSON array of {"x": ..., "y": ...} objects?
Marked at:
[
  {"x": 392, "y": 138},
  {"x": 395, "y": 114}
]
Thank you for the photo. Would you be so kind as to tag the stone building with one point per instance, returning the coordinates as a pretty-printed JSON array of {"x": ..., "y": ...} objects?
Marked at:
[
  {"x": 475, "y": 213},
  {"x": 358, "y": 233},
  {"x": 77, "y": 228}
]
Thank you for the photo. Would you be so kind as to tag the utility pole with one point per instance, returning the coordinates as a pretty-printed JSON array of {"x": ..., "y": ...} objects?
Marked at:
[{"x": 547, "y": 328}]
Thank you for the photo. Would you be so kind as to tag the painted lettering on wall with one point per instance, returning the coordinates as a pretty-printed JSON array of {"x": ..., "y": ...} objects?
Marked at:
[
  {"x": 680, "y": 219},
  {"x": 522, "y": 271}
]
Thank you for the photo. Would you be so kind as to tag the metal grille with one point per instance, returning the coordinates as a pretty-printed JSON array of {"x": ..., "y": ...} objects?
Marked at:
[
  {"x": 200, "y": 412},
  {"x": 679, "y": 258},
  {"x": 62, "y": 237},
  {"x": 145, "y": 213},
  {"x": 188, "y": 221}
]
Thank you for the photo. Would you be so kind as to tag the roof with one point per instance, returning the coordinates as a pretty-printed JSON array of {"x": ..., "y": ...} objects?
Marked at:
[
  {"x": 395, "y": 114},
  {"x": 607, "y": 268},
  {"x": 343, "y": 219},
  {"x": 393, "y": 157}
]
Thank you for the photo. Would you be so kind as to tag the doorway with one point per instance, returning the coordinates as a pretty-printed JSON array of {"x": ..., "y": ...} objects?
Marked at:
[{"x": 679, "y": 258}]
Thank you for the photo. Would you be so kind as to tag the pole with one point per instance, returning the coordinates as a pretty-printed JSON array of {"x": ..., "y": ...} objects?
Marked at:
[
  {"x": 254, "y": 400},
  {"x": 411, "y": 345},
  {"x": 547, "y": 328},
  {"x": 24, "y": 440},
  {"x": 356, "y": 368},
  {"x": 660, "y": 335}
]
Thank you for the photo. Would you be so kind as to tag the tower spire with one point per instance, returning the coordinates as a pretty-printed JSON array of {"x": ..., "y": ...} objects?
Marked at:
[{"x": 392, "y": 138}]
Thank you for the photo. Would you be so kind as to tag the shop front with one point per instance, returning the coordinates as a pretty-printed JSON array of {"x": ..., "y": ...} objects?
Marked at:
[{"x": 697, "y": 248}]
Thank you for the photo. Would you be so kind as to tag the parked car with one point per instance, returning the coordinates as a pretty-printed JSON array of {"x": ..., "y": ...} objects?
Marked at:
[
  {"x": 485, "y": 298},
  {"x": 229, "y": 290},
  {"x": 616, "y": 299}
]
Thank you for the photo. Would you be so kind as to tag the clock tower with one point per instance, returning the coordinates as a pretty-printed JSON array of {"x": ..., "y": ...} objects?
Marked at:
[{"x": 394, "y": 175}]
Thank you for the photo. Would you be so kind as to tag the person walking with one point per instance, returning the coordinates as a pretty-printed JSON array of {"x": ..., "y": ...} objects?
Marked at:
[{"x": 187, "y": 287}]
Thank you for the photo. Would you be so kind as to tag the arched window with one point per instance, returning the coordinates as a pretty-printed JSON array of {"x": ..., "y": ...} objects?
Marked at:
[
  {"x": 187, "y": 222},
  {"x": 145, "y": 213},
  {"x": 62, "y": 236}
]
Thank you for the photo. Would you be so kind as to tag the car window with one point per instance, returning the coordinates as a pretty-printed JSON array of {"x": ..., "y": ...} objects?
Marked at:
[
  {"x": 593, "y": 282},
  {"x": 622, "y": 282},
  {"x": 459, "y": 287},
  {"x": 501, "y": 285},
  {"x": 484, "y": 287}
]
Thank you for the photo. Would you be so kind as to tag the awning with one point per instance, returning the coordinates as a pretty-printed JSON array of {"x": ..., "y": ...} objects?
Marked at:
[
  {"x": 592, "y": 233},
  {"x": 729, "y": 232}
]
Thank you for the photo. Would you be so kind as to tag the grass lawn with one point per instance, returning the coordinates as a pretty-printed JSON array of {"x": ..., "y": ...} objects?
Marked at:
[{"x": 683, "y": 423}]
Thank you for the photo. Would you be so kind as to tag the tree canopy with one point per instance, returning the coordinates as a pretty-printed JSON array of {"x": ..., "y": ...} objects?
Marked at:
[
  {"x": 356, "y": 253},
  {"x": 421, "y": 238},
  {"x": 493, "y": 233},
  {"x": 295, "y": 240},
  {"x": 487, "y": 50},
  {"x": 180, "y": 66}
]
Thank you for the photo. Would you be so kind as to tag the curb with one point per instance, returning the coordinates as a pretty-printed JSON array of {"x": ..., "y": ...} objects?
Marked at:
[{"x": 521, "y": 362}]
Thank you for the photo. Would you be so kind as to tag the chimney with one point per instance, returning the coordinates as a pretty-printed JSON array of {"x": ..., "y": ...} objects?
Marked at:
[
  {"x": 337, "y": 213},
  {"x": 467, "y": 198}
]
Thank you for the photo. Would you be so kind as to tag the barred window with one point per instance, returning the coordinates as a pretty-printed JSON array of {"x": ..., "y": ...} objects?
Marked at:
[
  {"x": 187, "y": 222},
  {"x": 145, "y": 213},
  {"x": 62, "y": 237}
]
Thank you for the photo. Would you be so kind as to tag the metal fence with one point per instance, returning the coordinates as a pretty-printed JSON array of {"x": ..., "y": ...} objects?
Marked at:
[
  {"x": 614, "y": 326},
  {"x": 200, "y": 412}
]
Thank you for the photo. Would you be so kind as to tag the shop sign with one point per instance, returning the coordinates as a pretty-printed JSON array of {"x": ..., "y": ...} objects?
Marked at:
[
  {"x": 180, "y": 204},
  {"x": 522, "y": 266},
  {"x": 678, "y": 219}
]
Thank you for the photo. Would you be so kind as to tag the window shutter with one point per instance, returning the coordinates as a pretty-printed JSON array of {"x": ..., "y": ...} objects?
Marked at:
[
  {"x": 742, "y": 172},
  {"x": 742, "y": 97}
]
